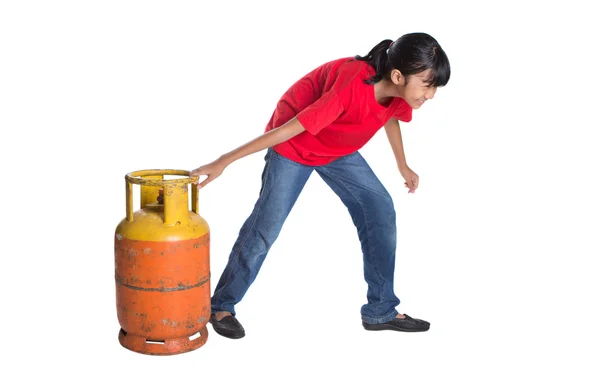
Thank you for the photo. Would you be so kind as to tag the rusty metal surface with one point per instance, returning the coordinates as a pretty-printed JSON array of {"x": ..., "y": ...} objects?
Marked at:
[
  {"x": 162, "y": 267},
  {"x": 162, "y": 288},
  {"x": 163, "y": 347}
]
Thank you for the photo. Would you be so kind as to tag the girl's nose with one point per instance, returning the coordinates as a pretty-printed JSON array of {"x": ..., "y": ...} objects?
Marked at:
[{"x": 430, "y": 93}]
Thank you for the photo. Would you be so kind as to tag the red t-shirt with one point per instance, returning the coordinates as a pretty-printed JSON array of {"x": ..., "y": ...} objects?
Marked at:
[{"x": 337, "y": 109}]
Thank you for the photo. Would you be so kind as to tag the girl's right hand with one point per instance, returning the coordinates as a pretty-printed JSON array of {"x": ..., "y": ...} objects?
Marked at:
[{"x": 212, "y": 171}]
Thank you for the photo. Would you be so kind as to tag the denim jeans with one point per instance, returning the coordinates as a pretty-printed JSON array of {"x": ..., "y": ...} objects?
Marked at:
[{"x": 370, "y": 207}]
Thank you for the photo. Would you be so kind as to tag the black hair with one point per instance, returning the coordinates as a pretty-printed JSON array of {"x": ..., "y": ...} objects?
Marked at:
[{"x": 410, "y": 54}]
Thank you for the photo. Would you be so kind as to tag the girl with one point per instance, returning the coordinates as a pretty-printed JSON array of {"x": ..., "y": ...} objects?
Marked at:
[{"x": 319, "y": 125}]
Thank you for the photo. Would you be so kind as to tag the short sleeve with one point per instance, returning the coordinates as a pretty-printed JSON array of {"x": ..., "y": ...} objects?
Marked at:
[
  {"x": 403, "y": 112},
  {"x": 321, "y": 113}
]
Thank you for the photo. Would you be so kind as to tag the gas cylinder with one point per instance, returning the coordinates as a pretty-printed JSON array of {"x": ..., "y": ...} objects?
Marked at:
[{"x": 162, "y": 266}]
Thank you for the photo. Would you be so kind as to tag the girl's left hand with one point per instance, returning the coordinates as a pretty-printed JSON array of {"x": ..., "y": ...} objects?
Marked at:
[{"x": 412, "y": 179}]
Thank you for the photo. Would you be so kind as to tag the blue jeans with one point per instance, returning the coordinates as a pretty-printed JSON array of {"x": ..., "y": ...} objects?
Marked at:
[{"x": 370, "y": 207}]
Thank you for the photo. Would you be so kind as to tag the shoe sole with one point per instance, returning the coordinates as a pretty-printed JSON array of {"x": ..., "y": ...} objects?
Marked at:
[{"x": 387, "y": 327}]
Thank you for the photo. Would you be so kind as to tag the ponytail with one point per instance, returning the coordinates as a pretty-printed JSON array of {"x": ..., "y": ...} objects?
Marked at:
[{"x": 378, "y": 59}]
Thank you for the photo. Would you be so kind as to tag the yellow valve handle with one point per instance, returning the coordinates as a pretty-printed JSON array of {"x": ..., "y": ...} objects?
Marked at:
[
  {"x": 137, "y": 177},
  {"x": 175, "y": 192}
]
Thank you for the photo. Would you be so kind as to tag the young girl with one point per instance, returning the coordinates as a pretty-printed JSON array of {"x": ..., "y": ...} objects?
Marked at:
[{"x": 319, "y": 125}]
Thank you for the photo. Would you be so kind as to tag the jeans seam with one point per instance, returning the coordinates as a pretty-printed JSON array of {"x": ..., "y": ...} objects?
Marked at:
[
  {"x": 384, "y": 194},
  {"x": 379, "y": 276},
  {"x": 241, "y": 245}
]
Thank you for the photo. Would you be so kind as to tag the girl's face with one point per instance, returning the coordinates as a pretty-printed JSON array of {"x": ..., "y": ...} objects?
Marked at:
[{"x": 413, "y": 89}]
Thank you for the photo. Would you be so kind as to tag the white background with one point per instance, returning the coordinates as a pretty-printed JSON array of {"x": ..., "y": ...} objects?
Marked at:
[{"x": 497, "y": 248}]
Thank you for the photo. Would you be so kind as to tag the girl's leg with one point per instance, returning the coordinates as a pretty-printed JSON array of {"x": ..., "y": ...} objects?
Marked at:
[
  {"x": 372, "y": 211},
  {"x": 282, "y": 182}
]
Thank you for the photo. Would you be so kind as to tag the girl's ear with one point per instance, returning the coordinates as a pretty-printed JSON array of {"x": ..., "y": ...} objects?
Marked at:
[{"x": 397, "y": 77}]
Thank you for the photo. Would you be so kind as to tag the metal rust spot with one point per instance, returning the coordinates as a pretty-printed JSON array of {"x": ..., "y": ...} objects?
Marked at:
[
  {"x": 202, "y": 243},
  {"x": 170, "y": 323},
  {"x": 127, "y": 283}
]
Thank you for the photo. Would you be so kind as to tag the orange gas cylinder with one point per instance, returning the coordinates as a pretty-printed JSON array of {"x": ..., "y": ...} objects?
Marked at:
[{"x": 162, "y": 266}]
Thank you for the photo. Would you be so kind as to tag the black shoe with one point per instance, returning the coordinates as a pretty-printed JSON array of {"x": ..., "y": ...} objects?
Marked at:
[
  {"x": 407, "y": 324},
  {"x": 228, "y": 327}
]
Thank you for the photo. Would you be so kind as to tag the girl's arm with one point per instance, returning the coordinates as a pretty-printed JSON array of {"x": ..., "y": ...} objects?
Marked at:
[
  {"x": 392, "y": 130},
  {"x": 269, "y": 139}
]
